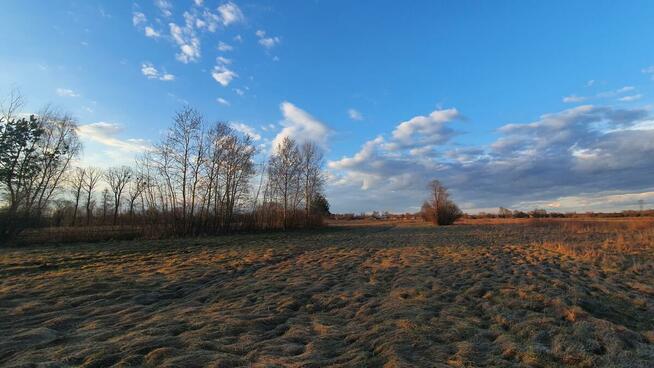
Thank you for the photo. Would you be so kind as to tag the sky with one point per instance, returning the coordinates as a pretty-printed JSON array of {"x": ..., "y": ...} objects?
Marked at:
[{"x": 520, "y": 104}]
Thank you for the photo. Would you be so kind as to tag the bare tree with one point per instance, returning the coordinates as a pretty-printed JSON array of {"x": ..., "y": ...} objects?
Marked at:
[
  {"x": 135, "y": 191},
  {"x": 57, "y": 147},
  {"x": 91, "y": 180},
  {"x": 106, "y": 202},
  {"x": 11, "y": 105},
  {"x": 179, "y": 159},
  {"x": 284, "y": 174},
  {"x": 311, "y": 174},
  {"x": 117, "y": 178},
  {"x": 440, "y": 209},
  {"x": 77, "y": 183}
]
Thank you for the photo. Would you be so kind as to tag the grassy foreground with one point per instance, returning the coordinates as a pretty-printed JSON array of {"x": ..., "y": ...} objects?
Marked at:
[{"x": 547, "y": 294}]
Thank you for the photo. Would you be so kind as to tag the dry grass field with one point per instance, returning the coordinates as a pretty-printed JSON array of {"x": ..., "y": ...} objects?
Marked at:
[{"x": 379, "y": 294}]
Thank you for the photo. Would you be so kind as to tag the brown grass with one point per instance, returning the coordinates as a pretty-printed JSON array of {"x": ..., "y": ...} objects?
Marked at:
[{"x": 380, "y": 294}]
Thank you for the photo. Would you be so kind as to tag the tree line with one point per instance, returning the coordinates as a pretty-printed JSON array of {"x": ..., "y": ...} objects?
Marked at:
[{"x": 200, "y": 178}]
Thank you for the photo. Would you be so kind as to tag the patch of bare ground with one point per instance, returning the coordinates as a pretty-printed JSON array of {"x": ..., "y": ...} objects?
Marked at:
[{"x": 501, "y": 295}]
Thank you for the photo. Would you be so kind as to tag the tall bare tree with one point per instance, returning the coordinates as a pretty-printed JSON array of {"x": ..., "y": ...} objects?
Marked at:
[
  {"x": 77, "y": 183},
  {"x": 91, "y": 180},
  {"x": 284, "y": 174},
  {"x": 179, "y": 157},
  {"x": 135, "y": 191},
  {"x": 117, "y": 178},
  {"x": 56, "y": 149},
  {"x": 311, "y": 174}
]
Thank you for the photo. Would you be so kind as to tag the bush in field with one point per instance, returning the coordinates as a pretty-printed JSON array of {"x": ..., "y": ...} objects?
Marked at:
[{"x": 440, "y": 209}]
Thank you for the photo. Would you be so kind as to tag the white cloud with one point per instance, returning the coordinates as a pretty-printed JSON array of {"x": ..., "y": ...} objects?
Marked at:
[
  {"x": 590, "y": 83},
  {"x": 223, "y": 75},
  {"x": 575, "y": 152},
  {"x": 354, "y": 114},
  {"x": 223, "y": 60},
  {"x": 188, "y": 42},
  {"x": 230, "y": 13},
  {"x": 165, "y": 7},
  {"x": 425, "y": 130},
  {"x": 199, "y": 2},
  {"x": 573, "y": 99},
  {"x": 222, "y": 101},
  {"x": 614, "y": 93},
  {"x": 239, "y": 91},
  {"x": 224, "y": 47},
  {"x": 267, "y": 42},
  {"x": 138, "y": 18},
  {"x": 150, "y": 32},
  {"x": 246, "y": 129},
  {"x": 104, "y": 147},
  {"x": 151, "y": 72},
  {"x": 167, "y": 77},
  {"x": 300, "y": 126},
  {"x": 106, "y": 134},
  {"x": 65, "y": 92},
  {"x": 626, "y": 89},
  {"x": 630, "y": 98}
]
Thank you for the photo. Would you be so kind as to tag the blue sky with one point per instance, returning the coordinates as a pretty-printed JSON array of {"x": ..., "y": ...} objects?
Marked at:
[{"x": 520, "y": 104}]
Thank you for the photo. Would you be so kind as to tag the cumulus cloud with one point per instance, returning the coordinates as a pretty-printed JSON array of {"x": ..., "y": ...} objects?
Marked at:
[
  {"x": 354, "y": 114},
  {"x": 223, "y": 75},
  {"x": 267, "y": 42},
  {"x": 165, "y": 7},
  {"x": 300, "y": 126},
  {"x": 65, "y": 92},
  {"x": 188, "y": 42},
  {"x": 246, "y": 129},
  {"x": 577, "y": 152},
  {"x": 186, "y": 34},
  {"x": 149, "y": 70},
  {"x": 425, "y": 130},
  {"x": 138, "y": 18},
  {"x": 230, "y": 13},
  {"x": 150, "y": 32},
  {"x": 222, "y": 101}
]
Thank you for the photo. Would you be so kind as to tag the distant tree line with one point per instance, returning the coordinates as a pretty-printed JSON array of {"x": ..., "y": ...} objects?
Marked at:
[
  {"x": 542, "y": 213},
  {"x": 200, "y": 178}
]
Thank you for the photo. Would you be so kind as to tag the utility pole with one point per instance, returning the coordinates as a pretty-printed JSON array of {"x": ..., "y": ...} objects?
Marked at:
[{"x": 641, "y": 203}]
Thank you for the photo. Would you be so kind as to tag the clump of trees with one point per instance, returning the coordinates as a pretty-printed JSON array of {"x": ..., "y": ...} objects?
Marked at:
[
  {"x": 200, "y": 178},
  {"x": 440, "y": 209},
  {"x": 35, "y": 155}
]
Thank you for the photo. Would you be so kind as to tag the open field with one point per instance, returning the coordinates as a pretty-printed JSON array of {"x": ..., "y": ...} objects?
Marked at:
[{"x": 380, "y": 294}]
